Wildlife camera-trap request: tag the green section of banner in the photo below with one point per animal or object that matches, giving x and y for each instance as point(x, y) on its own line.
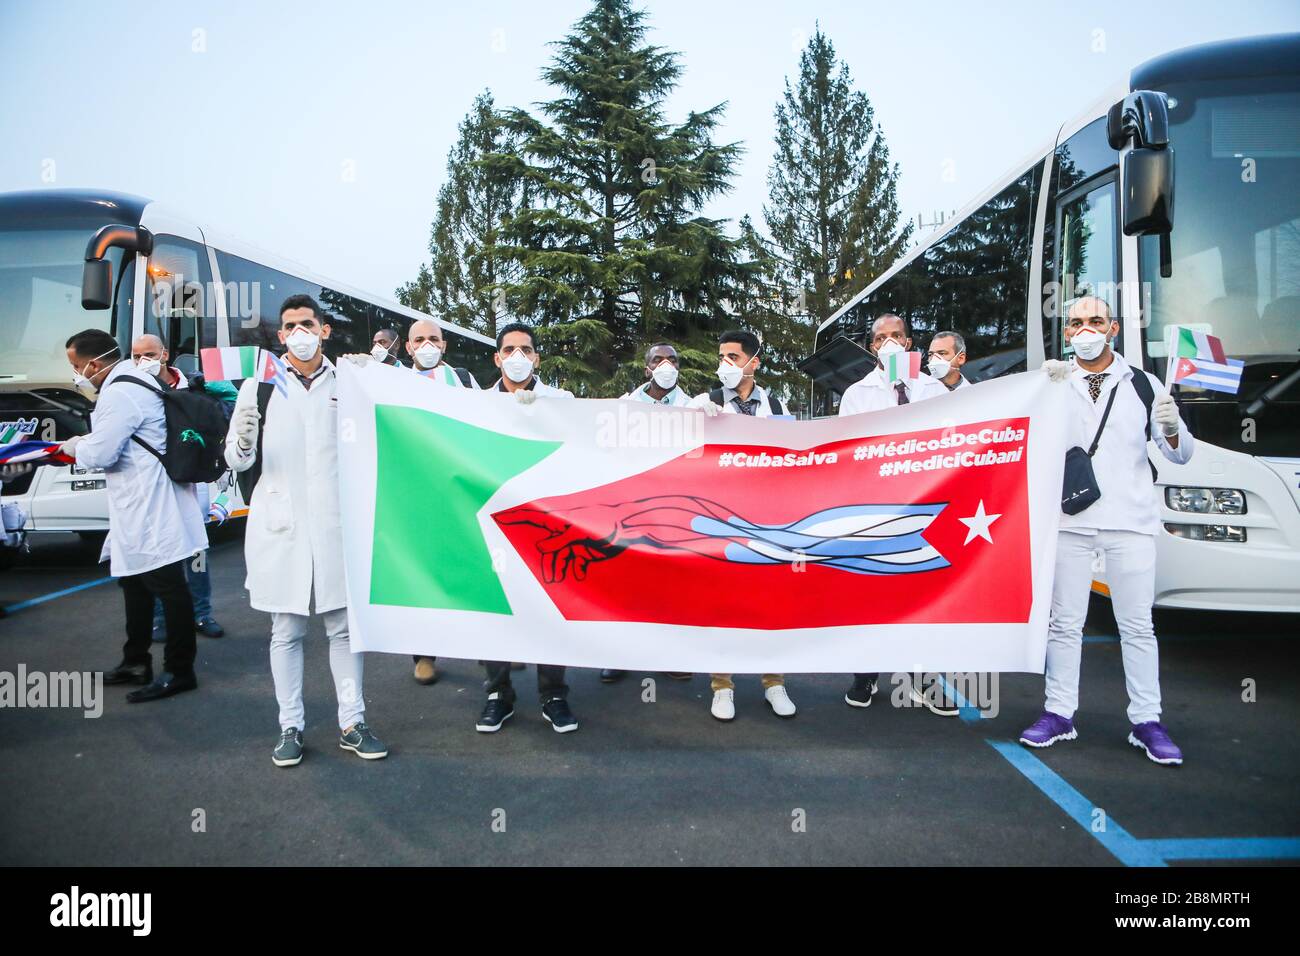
point(433, 475)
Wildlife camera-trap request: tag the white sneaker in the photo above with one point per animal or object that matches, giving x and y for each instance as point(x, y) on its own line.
point(724, 705)
point(781, 703)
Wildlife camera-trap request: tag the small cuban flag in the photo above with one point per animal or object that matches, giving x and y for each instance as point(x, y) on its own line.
point(1196, 360)
point(900, 366)
point(239, 362)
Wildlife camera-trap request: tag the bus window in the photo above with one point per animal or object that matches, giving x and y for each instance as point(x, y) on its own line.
point(177, 306)
point(254, 293)
point(1089, 250)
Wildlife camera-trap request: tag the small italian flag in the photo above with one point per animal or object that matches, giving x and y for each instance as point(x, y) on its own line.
point(1196, 360)
point(900, 366)
point(247, 361)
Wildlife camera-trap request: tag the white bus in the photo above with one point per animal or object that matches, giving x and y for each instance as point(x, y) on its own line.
point(1085, 213)
point(167, 275)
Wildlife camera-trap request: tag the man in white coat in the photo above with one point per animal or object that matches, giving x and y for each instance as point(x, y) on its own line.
point(293, 543)
point(1120, 526)
point(946, 356)
point(154, 523)
point(871, 393)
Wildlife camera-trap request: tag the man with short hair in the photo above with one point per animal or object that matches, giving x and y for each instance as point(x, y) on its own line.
point(384, 348)
point(293, 544)
point(154, 523)
point(738, 362)
point(1122, 408)
point(518, 359)
point(150, 357)
point(946, 356)
point(873, 392)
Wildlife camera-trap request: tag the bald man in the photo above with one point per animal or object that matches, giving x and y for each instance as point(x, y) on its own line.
point(150, 356)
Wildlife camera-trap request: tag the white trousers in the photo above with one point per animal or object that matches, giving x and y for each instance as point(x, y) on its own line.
point(287, 634)
point(1130, 563)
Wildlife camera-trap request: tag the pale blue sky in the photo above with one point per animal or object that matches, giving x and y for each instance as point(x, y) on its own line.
point(253, 135)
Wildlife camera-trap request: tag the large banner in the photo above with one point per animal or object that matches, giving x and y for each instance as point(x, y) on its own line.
point(619, 534)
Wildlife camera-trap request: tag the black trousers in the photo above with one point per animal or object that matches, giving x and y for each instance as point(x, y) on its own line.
point(169, 586)
point(550, 681)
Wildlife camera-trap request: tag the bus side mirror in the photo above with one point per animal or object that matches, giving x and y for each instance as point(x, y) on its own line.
point(1149, 192)
point(97, 284)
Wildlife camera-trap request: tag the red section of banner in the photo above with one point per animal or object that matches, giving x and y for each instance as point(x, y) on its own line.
point(686, 542)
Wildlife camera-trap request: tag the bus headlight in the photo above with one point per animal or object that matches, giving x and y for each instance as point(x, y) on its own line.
point(1208, 532)
point(1201, 501)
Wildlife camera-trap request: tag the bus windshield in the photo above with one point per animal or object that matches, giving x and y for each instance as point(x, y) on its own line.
point(1236, 237)
point(40, 301)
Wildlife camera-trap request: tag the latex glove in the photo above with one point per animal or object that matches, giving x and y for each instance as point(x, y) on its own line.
point(1057, 371)
point(1165, 412)
point(14, 472)
point(245, 423)
point(712, 409)
point(525, 396)
point(69, 447)
point(359, 359)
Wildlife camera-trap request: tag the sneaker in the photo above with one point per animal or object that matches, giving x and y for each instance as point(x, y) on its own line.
point(780, 701)
point(724, 704)
point(1154, 739)
point(495, 713)
point(1047, 730)
point(208, 627)
point(860, 694)
point(362, 742)
point(934, 698)
point(288, 752)
point(557, 713)
point(609, 675)
point(426, 672)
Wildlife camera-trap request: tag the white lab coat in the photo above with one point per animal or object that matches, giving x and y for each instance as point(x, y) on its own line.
point(1129, 500)
point(153, 521)
point(293, 543)
point(540, 389)
point(873, 392)
point(762, 410)
point(676, 397)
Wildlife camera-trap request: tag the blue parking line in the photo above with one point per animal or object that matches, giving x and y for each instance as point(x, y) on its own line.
point(1125, 847)
point(23, 605)
point(1228, 848)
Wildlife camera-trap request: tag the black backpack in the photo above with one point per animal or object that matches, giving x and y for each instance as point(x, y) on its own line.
point(247, 480)
point(196, 434)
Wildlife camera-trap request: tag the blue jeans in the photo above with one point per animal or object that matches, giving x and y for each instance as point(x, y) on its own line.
point(200, 583)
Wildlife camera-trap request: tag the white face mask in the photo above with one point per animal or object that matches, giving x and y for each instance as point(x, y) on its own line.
point(889, 345)
point(380, 353)
point(84, 385)
point(665, 375)
point(730, 375)
point(302, 344)
point(939, 367)
point(1088, 344)
point(518, 367)
point(150, 366)
point(428, 355)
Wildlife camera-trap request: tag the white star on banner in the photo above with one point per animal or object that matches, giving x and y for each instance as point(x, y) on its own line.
point(977, 525)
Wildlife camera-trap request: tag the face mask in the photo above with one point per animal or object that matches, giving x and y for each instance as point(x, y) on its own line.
point(84, 385)
point(518, 367)
point(150, 366)
point(302, 344)
point(665, 375)
point(939, 367)
point(1088, 344)
point(730, 375)
point(428, 355)
point(380, 353)
point(889, 345)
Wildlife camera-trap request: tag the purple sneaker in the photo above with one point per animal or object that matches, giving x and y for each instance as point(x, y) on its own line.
point(1154, 739)
point(1047, 730)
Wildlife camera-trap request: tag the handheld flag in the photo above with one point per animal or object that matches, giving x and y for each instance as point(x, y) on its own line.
point(33, 452)
point(1196, 360)
point(900, 366)
point(271, 369)
point(229, 364)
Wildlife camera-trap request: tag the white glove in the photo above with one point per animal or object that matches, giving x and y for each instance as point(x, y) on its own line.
point(1057, 371)
point(245, 423)
point(359, 359)
point(69, 447)
point(12, 472)
point(1165, 412)
point(525, 396)
point(712, 409)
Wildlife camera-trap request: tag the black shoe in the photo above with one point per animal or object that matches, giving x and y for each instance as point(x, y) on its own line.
point(130, 674)
point(935, 698)
point(208, 627)
point(495, 713)
point(860, 693)
point(557, 713)
point(164, 685)
point(609, 675)
point(288, 752)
